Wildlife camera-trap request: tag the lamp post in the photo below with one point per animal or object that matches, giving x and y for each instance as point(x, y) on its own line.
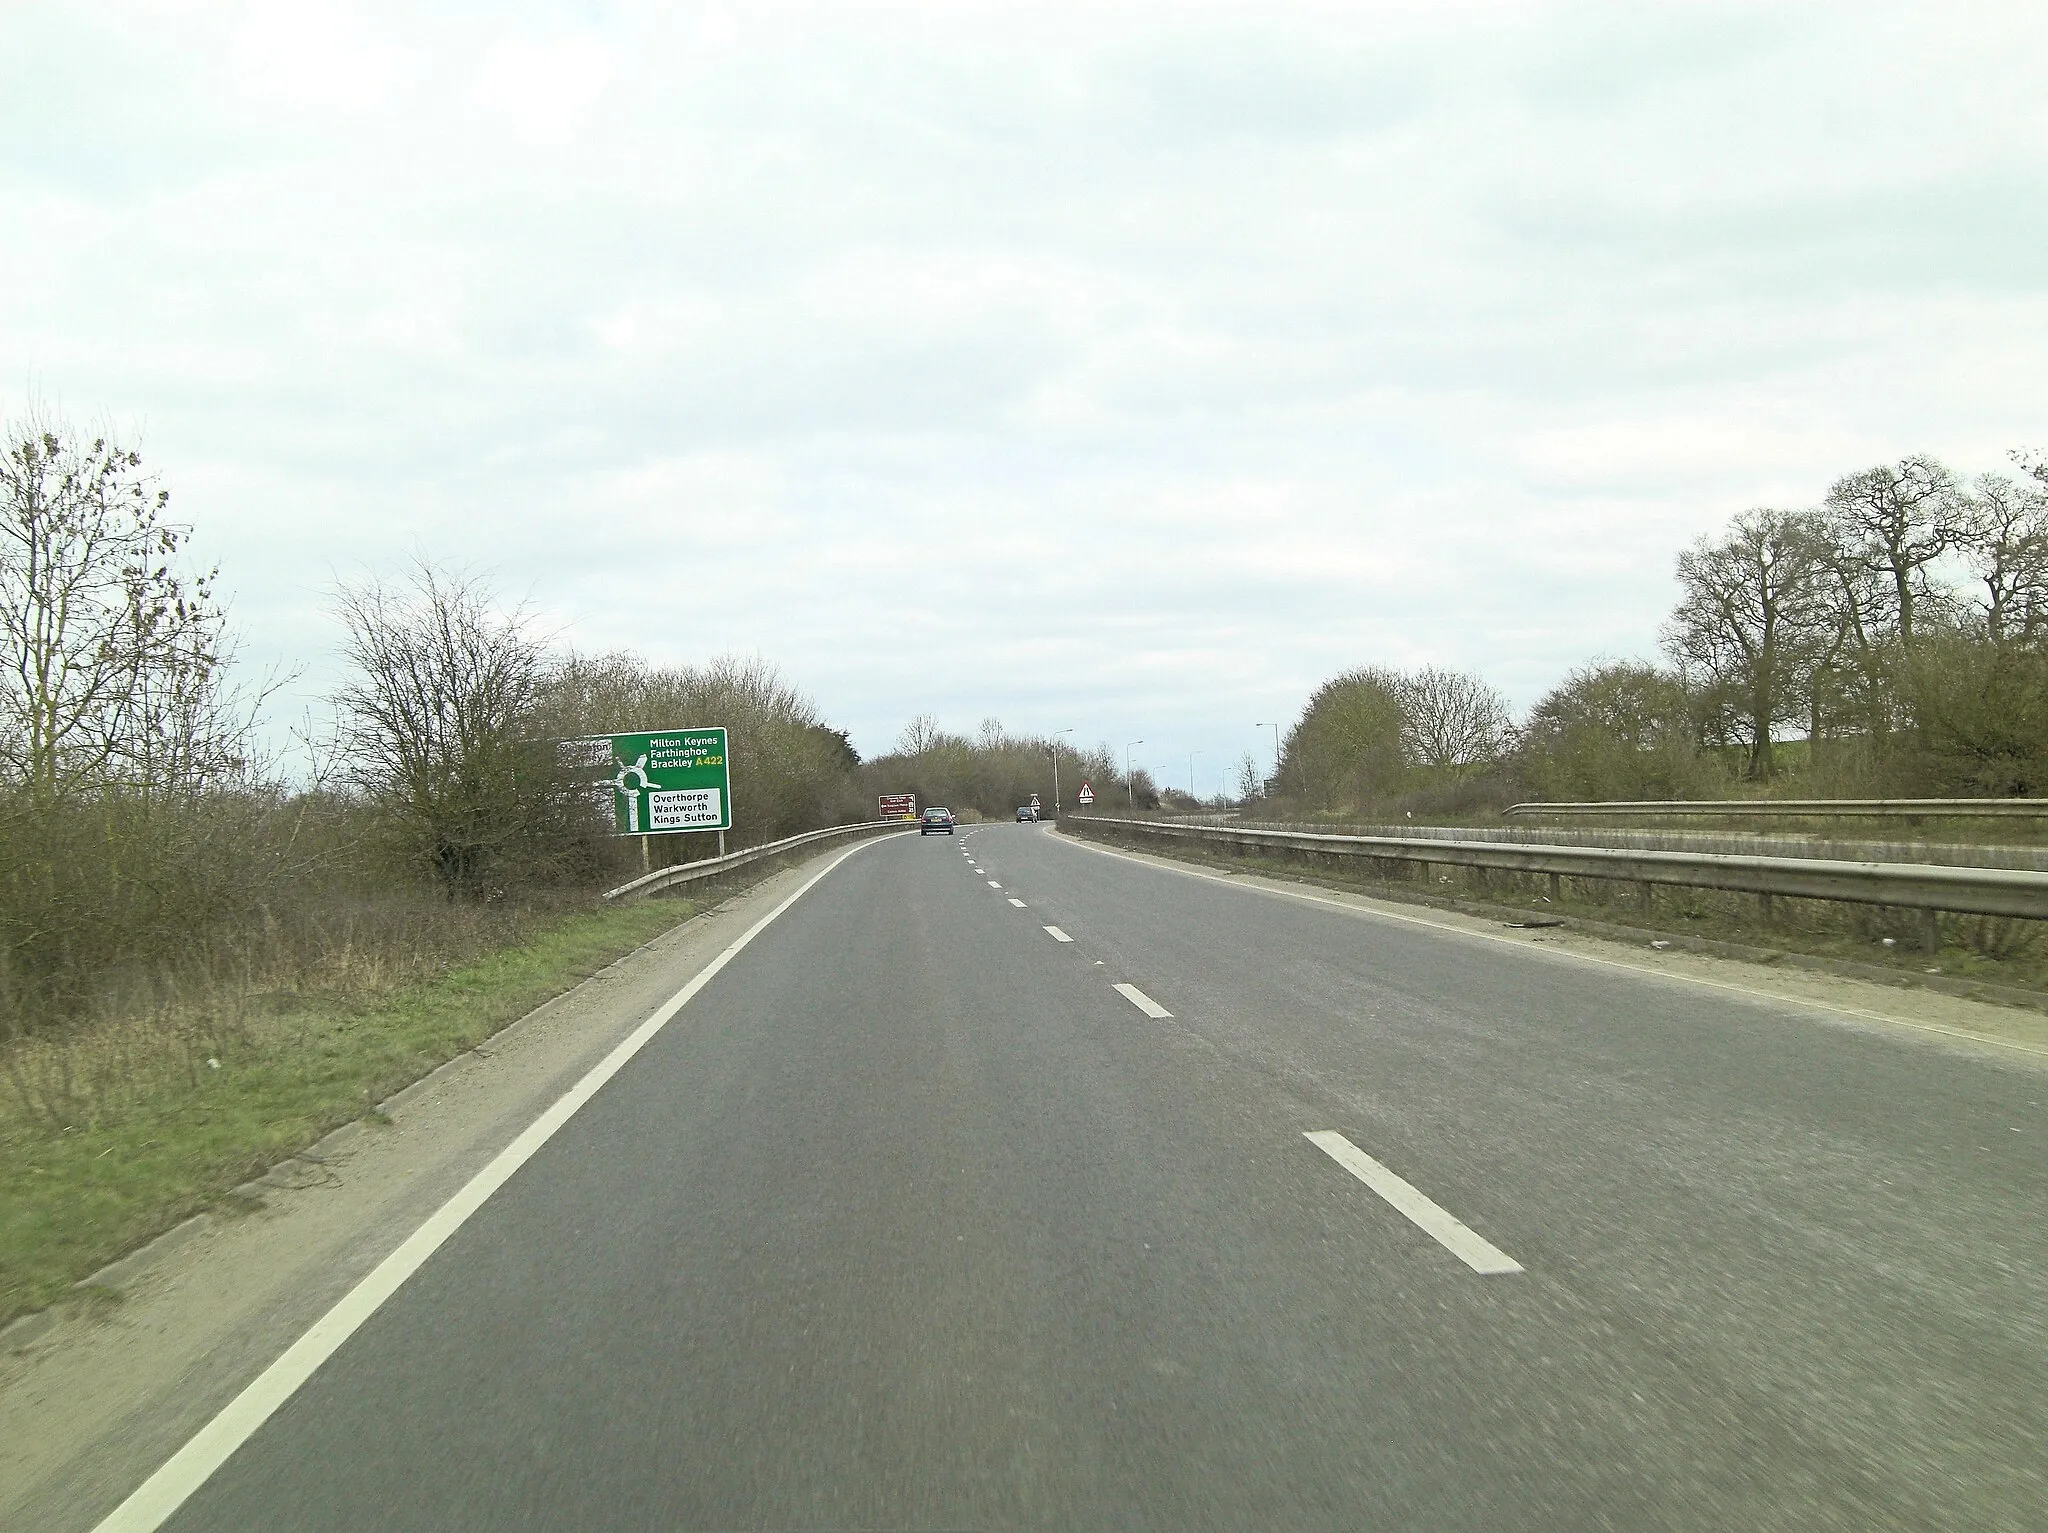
point(1056, 771)
point(1276, 752)
point(1131, 782)
point(1191, 777)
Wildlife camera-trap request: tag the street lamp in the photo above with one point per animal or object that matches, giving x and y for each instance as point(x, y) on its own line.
point(1276, 752)
point(1056, 770)
point(1131, 782)
point(1191, 777)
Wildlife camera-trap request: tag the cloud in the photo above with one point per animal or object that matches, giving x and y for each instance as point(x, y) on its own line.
point(1129, 368)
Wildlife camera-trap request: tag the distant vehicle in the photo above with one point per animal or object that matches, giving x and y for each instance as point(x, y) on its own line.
point(1027, 813)
point(936, 818)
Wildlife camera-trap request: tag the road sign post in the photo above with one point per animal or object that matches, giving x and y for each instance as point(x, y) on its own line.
point(662, 782)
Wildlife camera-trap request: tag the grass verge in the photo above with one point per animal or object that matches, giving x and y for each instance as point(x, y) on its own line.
point(76, 1195)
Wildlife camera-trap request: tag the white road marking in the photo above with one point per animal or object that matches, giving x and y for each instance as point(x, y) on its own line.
point(185, 1471)
point(1557, 955)
point(1017, 902)
point(993, 884)
point(1142, 1001)
point(1057, 935)
point(1450, 1232)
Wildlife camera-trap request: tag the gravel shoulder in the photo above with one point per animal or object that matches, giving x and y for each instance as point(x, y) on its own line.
point(98, 1397)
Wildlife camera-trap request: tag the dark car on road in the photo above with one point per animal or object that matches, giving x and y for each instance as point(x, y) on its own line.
point(936, 818)
point(1027, 814)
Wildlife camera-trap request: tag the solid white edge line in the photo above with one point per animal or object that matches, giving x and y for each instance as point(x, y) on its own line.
point(1057, 935)
point(191, 1466)
point(1449, 1231)
point(1564, 955)
point(1142, 1001)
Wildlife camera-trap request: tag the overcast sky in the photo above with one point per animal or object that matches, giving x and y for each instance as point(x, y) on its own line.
point(1127, 368)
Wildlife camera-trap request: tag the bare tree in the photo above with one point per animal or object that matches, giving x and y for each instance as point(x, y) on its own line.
point(919, 735)
point(1246, 779)
point(1895, 520)
point(2004, 540)
point(111, 659)
point(439, 721)
point(1751, 619)
point(1452, 720)
point(1852, 674)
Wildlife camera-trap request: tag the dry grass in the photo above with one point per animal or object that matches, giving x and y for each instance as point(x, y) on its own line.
point(183, 1084)
point(151, 1028)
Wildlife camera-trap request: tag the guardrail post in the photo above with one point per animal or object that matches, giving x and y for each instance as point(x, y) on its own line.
point(1930, 931)
point(1556, 888)
point(1763, 907)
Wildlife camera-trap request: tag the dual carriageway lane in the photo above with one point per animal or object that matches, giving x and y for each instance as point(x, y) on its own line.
point(978, 1192)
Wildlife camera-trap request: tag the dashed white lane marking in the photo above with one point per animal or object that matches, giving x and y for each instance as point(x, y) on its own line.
point(1017, 902)
point(993, 884)
point(1142, 1001)
point(1450, 1232)
point(1057, 935)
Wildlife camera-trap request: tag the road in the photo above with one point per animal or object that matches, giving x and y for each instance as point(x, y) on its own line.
point(912, 1219)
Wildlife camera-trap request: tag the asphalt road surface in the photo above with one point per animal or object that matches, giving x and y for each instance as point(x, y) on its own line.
point(913, 1219)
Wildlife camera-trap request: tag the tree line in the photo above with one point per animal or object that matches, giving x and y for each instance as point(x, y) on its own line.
point(147, 844)
point(994, 772)
point(1892, 639)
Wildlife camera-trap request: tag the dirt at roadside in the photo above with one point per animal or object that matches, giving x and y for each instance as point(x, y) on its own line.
point(91, 1406)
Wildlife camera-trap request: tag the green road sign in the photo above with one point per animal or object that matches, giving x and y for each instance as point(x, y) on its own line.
point(670, 780)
